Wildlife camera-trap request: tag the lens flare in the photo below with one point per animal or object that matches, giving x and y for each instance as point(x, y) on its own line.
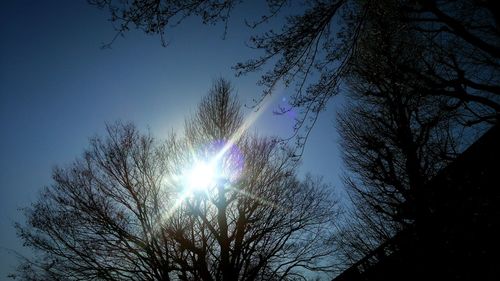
point(221, 162)
point(201, 177)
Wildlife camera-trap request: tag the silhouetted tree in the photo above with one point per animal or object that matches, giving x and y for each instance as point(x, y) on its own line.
point(459, 41)
point(124, 210)
point(395, 135)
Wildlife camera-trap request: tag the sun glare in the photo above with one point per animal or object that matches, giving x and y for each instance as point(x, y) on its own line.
point(201, 177)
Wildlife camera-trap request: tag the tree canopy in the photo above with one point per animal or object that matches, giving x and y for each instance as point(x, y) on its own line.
point(396, 133)
point(136, 208)
point(457, 42)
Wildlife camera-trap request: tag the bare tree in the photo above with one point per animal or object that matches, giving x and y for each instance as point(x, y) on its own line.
point(259, 221)
point(131, 208)
point(395, 135)
point(98, 219)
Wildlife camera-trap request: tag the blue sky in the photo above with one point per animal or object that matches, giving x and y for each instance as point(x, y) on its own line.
point(58, 88)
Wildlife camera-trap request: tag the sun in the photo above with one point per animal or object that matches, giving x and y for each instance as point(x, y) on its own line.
point(220, 164)
point(201, 177)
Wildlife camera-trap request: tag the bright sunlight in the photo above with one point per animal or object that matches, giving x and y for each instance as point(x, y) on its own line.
point(201, 177)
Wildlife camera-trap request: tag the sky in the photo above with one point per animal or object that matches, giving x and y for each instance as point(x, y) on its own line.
point(58, 88)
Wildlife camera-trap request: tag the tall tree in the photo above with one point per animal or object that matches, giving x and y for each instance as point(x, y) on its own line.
point(214, 204)
point(395, 135)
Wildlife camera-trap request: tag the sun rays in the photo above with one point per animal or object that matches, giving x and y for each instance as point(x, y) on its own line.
point(201, 176)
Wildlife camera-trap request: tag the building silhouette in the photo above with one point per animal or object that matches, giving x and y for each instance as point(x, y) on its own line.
point(458, 236)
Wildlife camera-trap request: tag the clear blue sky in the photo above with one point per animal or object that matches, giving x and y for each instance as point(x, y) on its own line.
point(58, 88)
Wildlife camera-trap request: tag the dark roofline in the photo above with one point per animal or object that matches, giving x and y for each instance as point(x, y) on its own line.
point(488, 141)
